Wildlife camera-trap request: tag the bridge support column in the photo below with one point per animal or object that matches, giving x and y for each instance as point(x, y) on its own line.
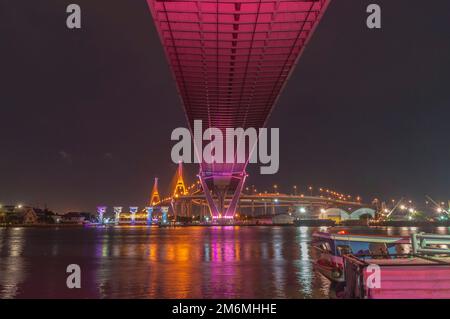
point(133, 211)
point(117, 212)
point(220, 188)
point(149, 210)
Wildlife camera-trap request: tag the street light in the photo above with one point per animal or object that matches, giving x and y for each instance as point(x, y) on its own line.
point(310, 190)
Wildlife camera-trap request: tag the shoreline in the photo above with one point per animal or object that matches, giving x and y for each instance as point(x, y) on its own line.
point(384, 224)
point(42, 225)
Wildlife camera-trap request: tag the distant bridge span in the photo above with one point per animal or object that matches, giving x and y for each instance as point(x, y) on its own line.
point(278, 199)
point(182, 205)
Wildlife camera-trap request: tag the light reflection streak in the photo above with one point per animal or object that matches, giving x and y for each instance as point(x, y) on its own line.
point(278, 264)
point(12, 266)
point(305, 267)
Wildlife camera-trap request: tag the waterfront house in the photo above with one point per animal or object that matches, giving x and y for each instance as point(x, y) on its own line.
point(11, 214)
point(72, 218)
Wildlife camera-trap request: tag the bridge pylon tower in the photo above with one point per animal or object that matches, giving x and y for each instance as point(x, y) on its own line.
point(180, 187)
point(154, 197)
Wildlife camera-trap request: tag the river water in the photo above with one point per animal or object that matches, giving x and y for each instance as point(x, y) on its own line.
point(152, 262)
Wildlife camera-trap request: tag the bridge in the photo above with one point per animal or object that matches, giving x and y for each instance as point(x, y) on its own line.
point(231, 60)
point(189, 200)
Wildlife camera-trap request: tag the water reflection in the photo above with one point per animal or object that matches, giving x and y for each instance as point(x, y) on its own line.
point(12, 269)
point(186, 262)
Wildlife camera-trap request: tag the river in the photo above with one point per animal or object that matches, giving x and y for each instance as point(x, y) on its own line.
point(152, 262)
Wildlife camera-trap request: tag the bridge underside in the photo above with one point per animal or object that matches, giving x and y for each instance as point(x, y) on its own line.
point(231, 59)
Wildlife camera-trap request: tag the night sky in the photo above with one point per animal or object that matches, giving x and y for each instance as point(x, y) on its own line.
point(86, 115)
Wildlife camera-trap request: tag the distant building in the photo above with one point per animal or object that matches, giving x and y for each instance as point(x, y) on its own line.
point(263, 220)
point(339, 215)
point(88, 217)
point(283, 219)
point(72, 218)
point(45, 216)
point(11, 214)
point(28, 216)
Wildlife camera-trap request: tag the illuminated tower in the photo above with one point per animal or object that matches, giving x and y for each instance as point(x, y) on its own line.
point(180, 188)
point(231, 59)
point(154, 197)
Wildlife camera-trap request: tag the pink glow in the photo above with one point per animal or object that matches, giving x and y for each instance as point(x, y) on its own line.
point(222, 217)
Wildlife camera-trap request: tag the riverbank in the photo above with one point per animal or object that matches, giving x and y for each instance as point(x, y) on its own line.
point(42, 225)
point(308, 223)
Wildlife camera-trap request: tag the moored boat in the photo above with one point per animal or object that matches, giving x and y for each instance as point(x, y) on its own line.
point(424, 273)
point(329, 250)
point(371, 266)
point(412, 277)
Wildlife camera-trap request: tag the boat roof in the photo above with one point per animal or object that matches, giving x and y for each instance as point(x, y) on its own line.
point(367, 238)
point(412, 261)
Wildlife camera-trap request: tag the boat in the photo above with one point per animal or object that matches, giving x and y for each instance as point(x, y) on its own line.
point(423, 274)
point(408, 267)
point(329, 249)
